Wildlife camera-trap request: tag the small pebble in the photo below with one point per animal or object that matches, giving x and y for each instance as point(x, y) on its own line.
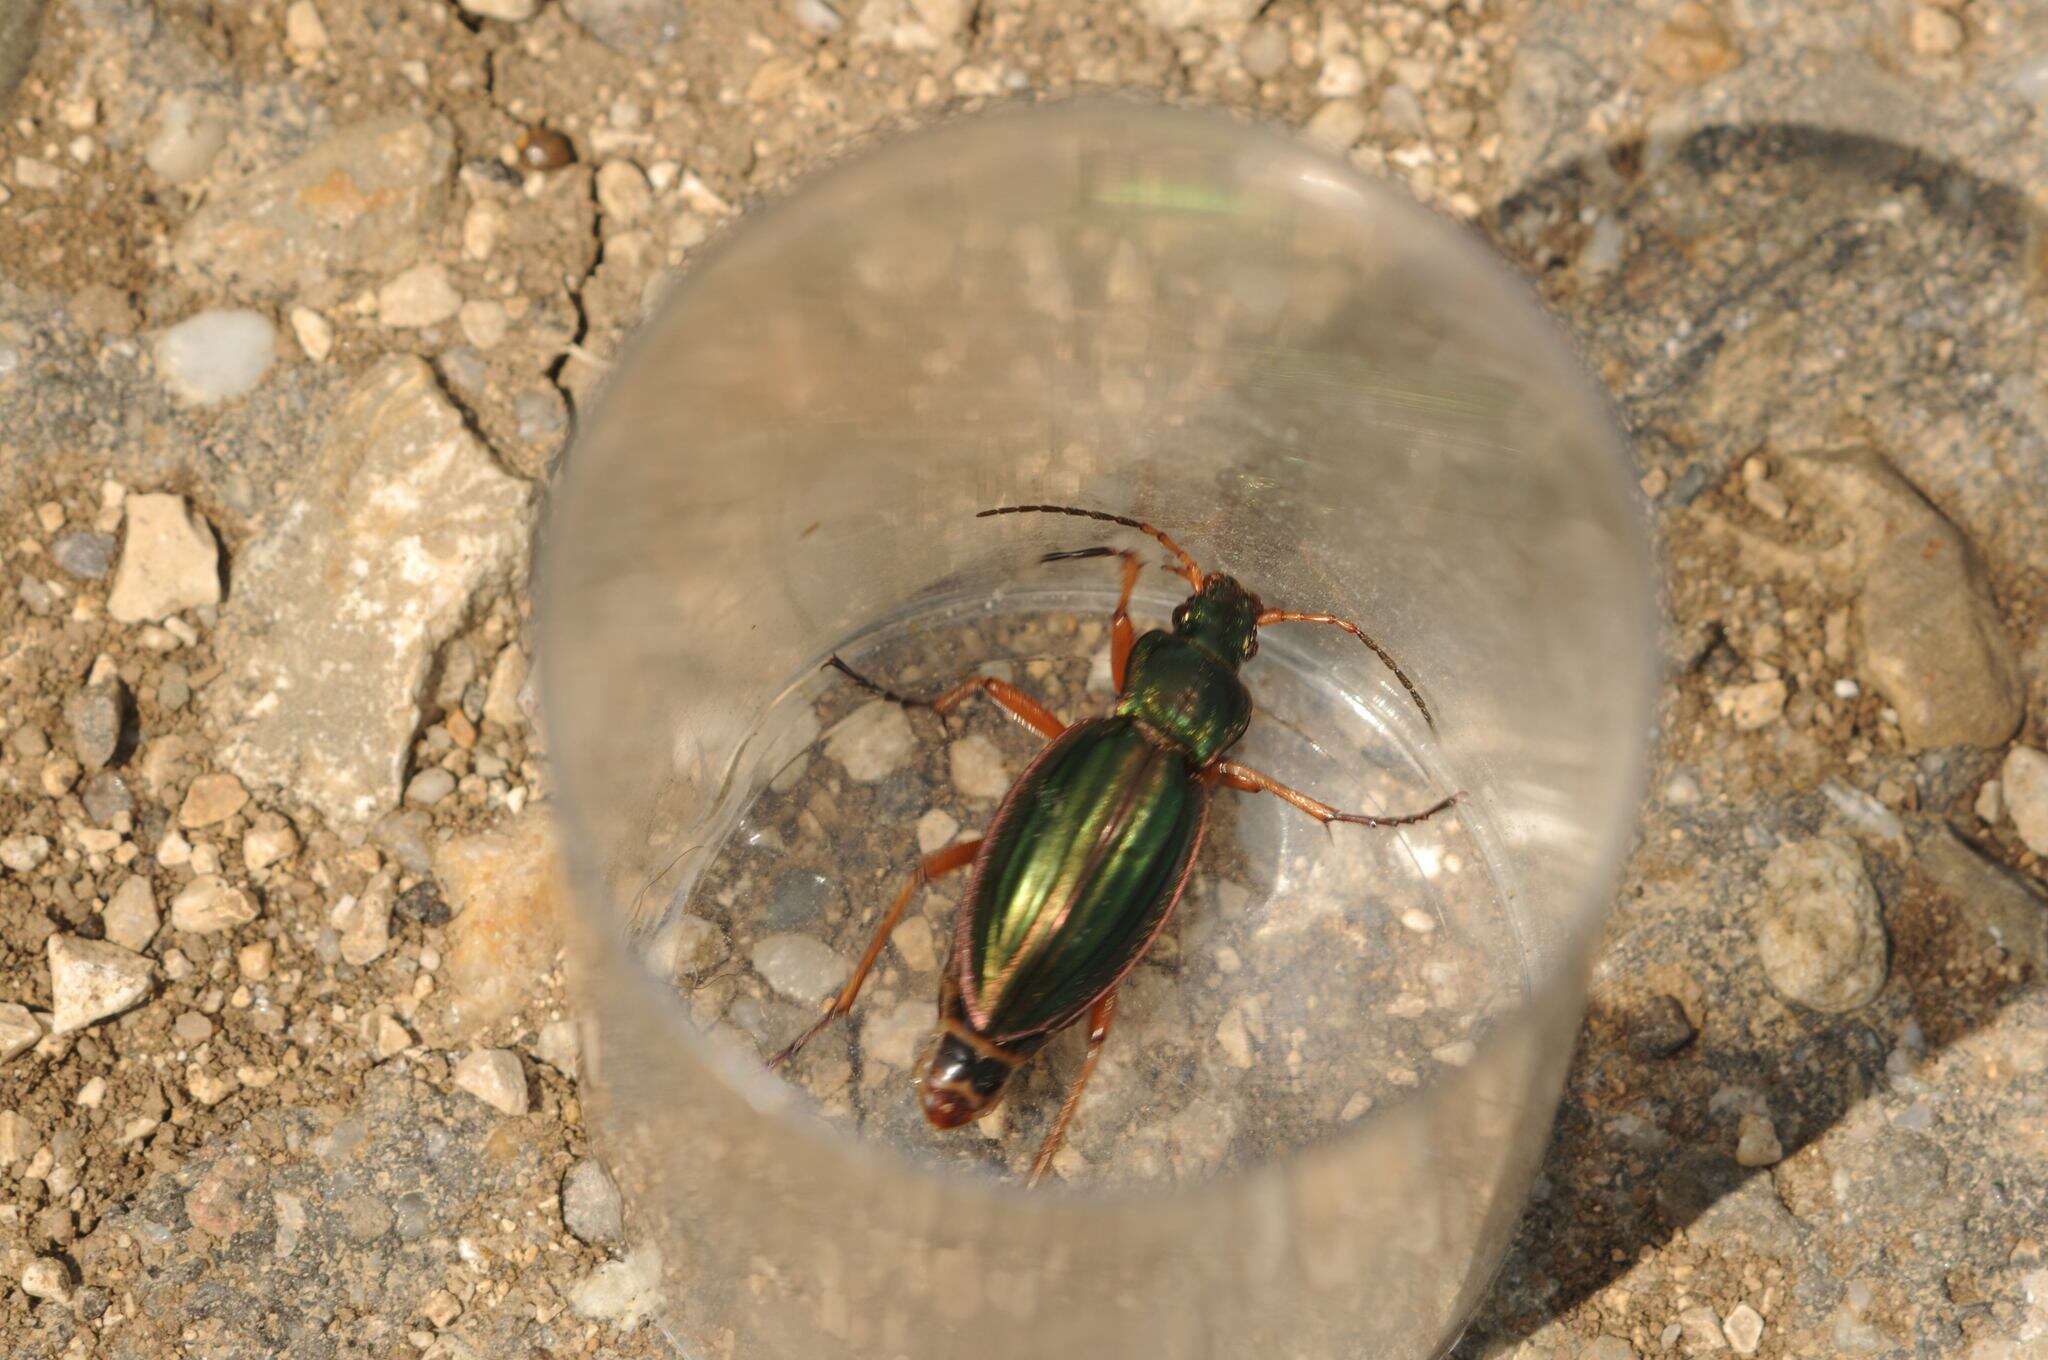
point(872, 742)
point(501, 695)
point(210, 904)
point(1342, 77)
point(623, 193)
point(913, 941)
point(270, 840)
point(94, 716)
point(363, 921)
point(216, 356)
point(254, 961)
point(170, 561)
point(1263, 52)
point(935, 830)
point(192, 1028)
point(1753, 706)
point(131, 919)
point(686, 947)
point(106, 797)
point(60, 774)
point(392, 1038)
point(429, 787)
point(24, 854)
point(494, 1076)
point(1757, 1142)
point(213, 798)
point(592, 1208)
point(1659, 1028)
point(1337, 125)
point(91, 980)
point(1819, 931)
point(1990, 806)
point(979, 770)
point(47, 1278)
point(422, 902)
point(314, 332)
point(1744, 1328)
point(799, 966)
point(422, 296)
point(19, 1031)
point(2023, 783)
point(559, 1046)
point(86, 555)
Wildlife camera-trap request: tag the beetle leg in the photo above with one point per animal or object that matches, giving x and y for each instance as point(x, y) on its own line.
point(1273, 616)
point(1248, 780)
point(1012, 700)
point(934, 865)
point(1121, 634)
point(1099, 1020)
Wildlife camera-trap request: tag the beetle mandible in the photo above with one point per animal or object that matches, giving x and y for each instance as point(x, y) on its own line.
point(1088, 852)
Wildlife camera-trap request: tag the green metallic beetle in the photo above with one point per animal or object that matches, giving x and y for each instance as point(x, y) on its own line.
point(1090, 849)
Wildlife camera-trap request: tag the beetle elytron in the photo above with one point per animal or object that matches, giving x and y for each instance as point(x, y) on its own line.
point(1089, 850)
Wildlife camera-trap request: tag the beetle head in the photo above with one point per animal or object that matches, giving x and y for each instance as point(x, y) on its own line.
point(1222, 618)
point(960, 1085)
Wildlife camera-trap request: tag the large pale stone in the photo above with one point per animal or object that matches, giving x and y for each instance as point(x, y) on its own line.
point(362, 200)
point(339, 608)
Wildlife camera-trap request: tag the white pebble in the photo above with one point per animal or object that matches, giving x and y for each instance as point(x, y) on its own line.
point(216, 356)
point(24, 854)
point(131, 918)
point(210, 904)
point(936, 829)
point(46, 1277)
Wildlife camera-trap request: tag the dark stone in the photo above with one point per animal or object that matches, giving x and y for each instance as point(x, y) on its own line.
point(1658, 1028)
point(86, 555)
point(422, 902)
point(94, 717)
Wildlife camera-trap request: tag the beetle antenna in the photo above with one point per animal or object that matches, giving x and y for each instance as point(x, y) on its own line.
point(1272, 616)
point(1184, 564)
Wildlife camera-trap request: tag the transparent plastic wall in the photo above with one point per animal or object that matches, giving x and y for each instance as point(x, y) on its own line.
point(1315, 383)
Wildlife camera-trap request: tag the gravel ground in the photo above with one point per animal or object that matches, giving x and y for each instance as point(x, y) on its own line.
point(298, 302)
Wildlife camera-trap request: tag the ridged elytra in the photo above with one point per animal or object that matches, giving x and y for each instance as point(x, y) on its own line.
point(1089, 851)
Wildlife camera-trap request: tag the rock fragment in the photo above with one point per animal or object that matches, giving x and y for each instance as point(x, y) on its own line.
point(362, 200)
point(494, 1076)
point(19, 1031)
point(504, 887)
point(2023, 784)
point(91, 980)
point(872, 742)
point(131, 919)
point(93, 715)
point(216, 355)
point(212, 799)
point(364, 920)
point(1933, 641)
point(170, 561)
point(591, 1206)
point(210, 904)
point(1820, 933)
point(800, 967)
point(401, 523)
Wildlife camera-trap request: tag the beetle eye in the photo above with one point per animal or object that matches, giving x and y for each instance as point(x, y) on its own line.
point(1251, 646)
point(1180, 616)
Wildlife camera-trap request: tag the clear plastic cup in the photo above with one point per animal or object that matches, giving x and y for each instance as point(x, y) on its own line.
point(1322, 389)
